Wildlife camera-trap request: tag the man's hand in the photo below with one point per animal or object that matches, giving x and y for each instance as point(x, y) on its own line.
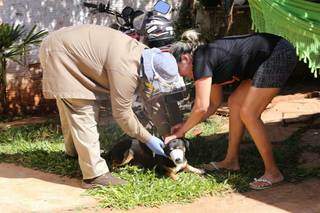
point(156, 145)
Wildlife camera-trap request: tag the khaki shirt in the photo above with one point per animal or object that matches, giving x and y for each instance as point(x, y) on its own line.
point(88, 62)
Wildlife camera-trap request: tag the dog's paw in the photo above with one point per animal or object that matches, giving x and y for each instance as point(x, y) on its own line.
point(172, 175)
point(201, 171)
point(195, 170)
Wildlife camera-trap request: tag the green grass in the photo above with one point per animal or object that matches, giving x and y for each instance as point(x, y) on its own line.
point(37, 146)
point(146, 188)
point(209, 127)
point(40, 146)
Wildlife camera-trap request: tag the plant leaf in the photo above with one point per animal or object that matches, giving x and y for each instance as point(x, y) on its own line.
point(10, 35)
point(34, 37)
point(13, 52)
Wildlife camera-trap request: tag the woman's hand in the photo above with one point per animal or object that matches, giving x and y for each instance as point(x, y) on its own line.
point(175, 131)
point(176, 128)
point(169, 138)
point(174, 136)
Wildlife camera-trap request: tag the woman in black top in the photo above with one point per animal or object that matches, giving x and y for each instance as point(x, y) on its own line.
point(261, 63)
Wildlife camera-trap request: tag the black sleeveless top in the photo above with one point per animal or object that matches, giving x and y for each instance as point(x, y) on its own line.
point(233, 58)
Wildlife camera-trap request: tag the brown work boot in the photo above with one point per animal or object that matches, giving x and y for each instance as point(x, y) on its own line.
point(104, 180)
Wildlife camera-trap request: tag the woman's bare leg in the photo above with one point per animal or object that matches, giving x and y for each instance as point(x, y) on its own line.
point(236, 127)
point(256, 101)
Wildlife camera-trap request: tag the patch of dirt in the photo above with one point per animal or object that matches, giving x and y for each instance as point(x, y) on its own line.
point(27, 190)
point(309, 160)
point(286, 113)
point(296, 96)
point(311, 137)
point(317, 121)
point(307, 157)
point(279, 133)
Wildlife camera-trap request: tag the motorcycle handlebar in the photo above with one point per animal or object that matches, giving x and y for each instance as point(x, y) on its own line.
point(90, 5)
point(101, 8)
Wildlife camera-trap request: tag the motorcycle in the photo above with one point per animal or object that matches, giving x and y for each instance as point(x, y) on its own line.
point(130, 21)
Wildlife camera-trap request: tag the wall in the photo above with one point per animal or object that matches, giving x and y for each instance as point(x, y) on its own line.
point(53, 14)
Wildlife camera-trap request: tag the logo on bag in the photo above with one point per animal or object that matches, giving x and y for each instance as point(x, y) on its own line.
point(149, 89)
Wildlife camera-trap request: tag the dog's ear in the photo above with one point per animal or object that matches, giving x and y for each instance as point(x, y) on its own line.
point(186, 143)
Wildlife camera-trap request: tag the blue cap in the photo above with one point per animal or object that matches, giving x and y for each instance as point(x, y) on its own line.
point(161, 63)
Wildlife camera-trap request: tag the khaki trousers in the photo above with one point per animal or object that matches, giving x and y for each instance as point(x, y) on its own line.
point(79, 119)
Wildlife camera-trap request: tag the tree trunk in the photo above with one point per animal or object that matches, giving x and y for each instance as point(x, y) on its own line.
point(186, 17)
point(3, 86)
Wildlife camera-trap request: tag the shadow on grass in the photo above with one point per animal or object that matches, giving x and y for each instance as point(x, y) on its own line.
point(250, 161)
point(55, 162)
point(287, 153)
point(38, 146)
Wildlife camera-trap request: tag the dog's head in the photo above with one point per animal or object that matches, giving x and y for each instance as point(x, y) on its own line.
point(176, 150)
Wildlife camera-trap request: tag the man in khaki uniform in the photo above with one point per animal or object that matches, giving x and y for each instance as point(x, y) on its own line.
point(82, 64)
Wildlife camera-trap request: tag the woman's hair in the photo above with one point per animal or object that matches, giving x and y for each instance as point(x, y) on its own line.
point(190, 40)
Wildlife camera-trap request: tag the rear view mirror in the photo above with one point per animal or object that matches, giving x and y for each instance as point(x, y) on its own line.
point(162, 7)
point(126, 12)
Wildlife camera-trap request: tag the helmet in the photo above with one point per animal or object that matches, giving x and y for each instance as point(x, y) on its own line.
point(158, 31)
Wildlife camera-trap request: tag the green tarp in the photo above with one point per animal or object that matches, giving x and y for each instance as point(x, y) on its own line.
point(296, 20)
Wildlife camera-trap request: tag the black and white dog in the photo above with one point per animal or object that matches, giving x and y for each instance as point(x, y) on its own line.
point(131, 151)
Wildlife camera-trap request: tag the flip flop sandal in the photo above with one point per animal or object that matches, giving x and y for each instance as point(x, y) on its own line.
point(212, 166)
point(266, 184)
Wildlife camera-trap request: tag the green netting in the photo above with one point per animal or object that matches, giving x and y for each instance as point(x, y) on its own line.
point(296, 20)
